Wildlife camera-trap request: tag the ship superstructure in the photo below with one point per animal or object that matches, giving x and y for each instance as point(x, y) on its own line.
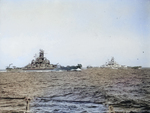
point(40, 63)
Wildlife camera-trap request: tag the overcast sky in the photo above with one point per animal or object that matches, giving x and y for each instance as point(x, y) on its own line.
point(70, 32)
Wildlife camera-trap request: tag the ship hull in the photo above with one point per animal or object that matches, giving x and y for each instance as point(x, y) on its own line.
point(40, 69)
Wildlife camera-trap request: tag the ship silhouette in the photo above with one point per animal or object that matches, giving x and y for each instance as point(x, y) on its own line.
point(40, 63)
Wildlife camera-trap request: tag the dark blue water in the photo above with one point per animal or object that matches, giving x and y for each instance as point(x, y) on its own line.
point(48, 105)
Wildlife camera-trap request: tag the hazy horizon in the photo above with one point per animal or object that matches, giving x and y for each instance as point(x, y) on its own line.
point(75, 32)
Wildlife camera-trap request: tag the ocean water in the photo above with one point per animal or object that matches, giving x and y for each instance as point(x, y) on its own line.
point(48, 105)
point(3, 70)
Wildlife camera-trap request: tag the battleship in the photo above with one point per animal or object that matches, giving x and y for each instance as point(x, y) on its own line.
point(40, 63)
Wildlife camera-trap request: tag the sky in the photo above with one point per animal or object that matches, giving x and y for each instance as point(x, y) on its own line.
point(71, 32)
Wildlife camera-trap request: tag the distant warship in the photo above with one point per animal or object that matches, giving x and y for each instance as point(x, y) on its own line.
point(13, 68)
point(40, 63)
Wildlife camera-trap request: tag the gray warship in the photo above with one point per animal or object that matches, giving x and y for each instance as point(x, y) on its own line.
point(40, 63)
